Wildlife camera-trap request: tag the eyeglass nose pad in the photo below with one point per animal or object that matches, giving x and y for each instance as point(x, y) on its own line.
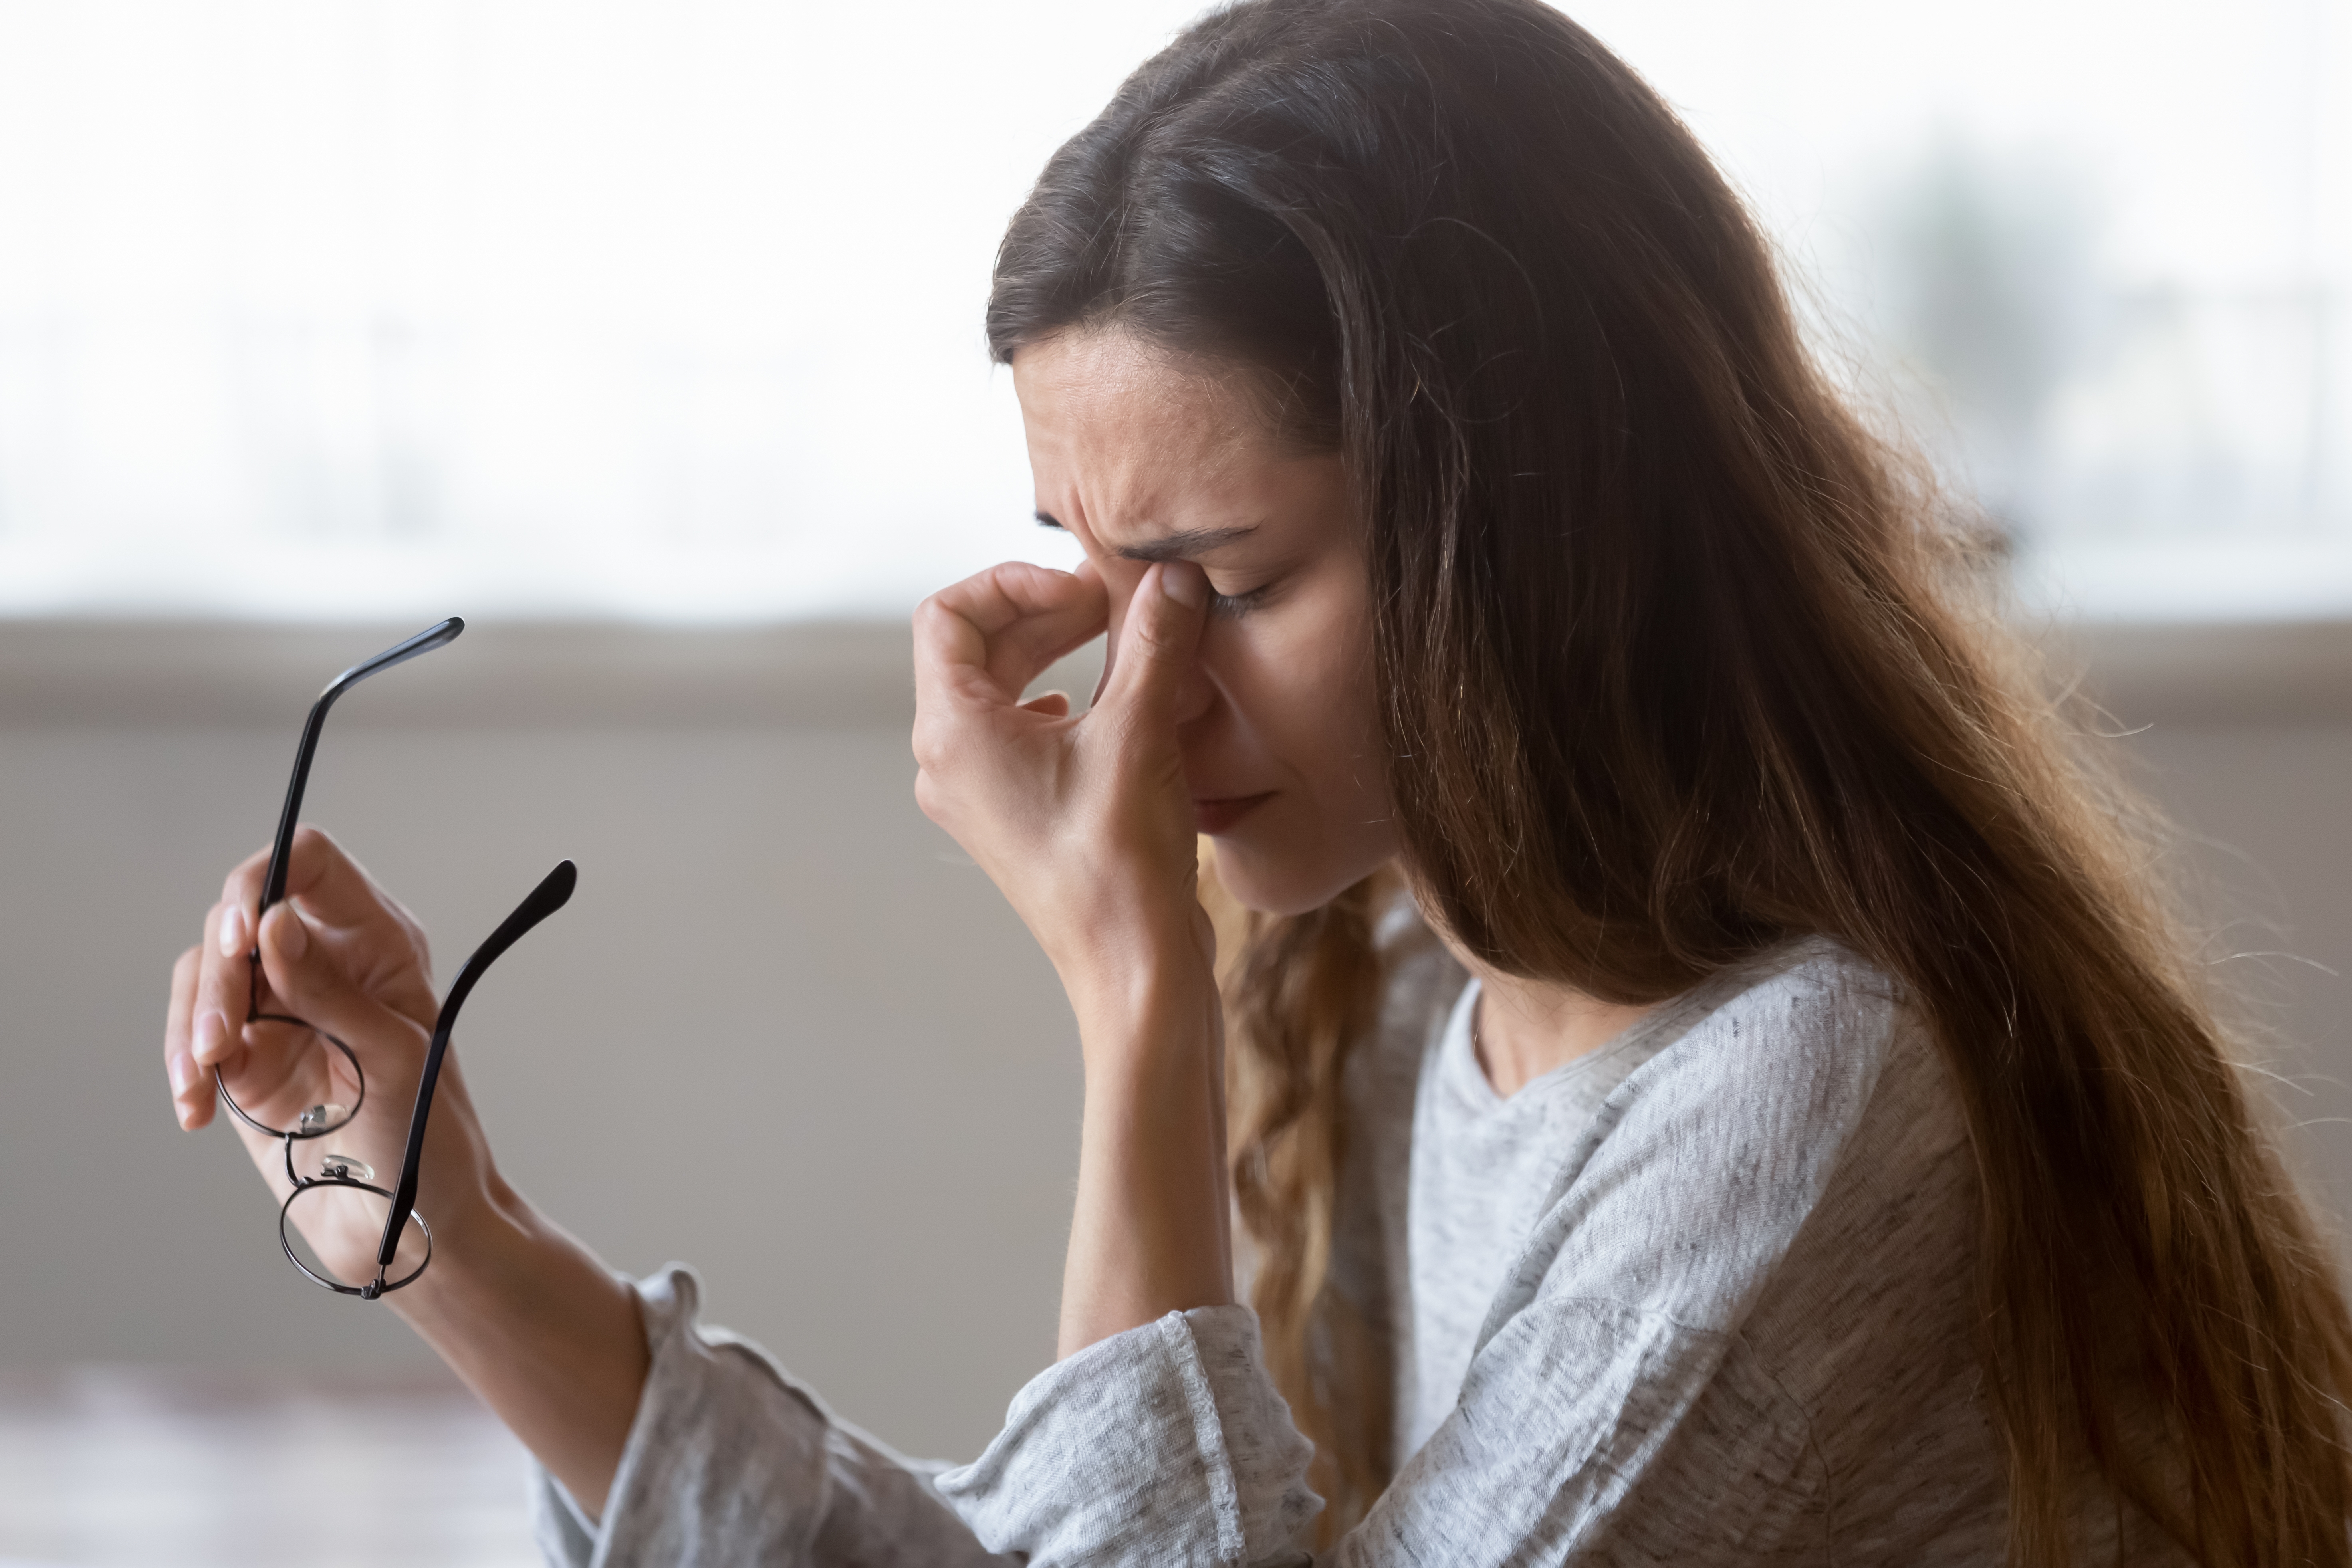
point(321, 1117)
point(346, 1168)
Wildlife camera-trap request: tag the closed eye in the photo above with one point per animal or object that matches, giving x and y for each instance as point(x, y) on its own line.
point(1234, 606)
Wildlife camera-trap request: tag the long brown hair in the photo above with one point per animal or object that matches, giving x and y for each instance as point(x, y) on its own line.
point(1676, 659)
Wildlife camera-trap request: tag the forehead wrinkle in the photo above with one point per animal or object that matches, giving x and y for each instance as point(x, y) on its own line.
point(1135, 491)
point(1139, 439)
point(1184, 541)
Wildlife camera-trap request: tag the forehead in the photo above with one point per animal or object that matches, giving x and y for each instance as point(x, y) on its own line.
point(1132, 437)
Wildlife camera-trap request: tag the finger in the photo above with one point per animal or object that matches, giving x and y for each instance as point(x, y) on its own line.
point(192, 1096)
point(225, 975)
point(1053, 704)
point(303, 970)
point(988, 636)
point(1093, 573)
point(1158, 644)
point(224, 994)
point(1116, 630)
point(336, 890)
point(242, 892)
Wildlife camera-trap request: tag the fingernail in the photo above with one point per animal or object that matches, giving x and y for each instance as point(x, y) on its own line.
point(232, 931)
point(184, 1072)
point(211, 1034)
point(287, 932)
point(1184, 583)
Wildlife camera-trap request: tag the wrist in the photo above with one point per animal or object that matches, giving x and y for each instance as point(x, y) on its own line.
point(1117, 972)
point(481, 1249)
point(541, 1330)
point(1145, 1016)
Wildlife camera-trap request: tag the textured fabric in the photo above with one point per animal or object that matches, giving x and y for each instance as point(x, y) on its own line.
point(1702, 1296)
point(730, 1461)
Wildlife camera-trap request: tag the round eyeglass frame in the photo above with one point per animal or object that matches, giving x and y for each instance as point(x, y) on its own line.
point(375, 1288)
point(334, 1174)
point(296, 1132)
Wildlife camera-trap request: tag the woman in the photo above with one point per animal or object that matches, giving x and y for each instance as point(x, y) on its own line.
point(1712, 1076)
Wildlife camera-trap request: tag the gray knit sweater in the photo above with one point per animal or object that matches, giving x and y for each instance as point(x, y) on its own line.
point(1700, 1297)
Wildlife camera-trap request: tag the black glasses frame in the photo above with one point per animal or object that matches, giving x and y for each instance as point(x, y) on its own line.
point(552, 893)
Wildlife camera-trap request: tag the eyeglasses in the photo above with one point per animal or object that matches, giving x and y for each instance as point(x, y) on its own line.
point(406, 1245)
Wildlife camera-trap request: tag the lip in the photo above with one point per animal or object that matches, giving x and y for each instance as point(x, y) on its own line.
point(1213, 817)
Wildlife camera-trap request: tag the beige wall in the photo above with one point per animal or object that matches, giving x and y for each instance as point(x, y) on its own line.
point(2266, 805)
point(782, 1031)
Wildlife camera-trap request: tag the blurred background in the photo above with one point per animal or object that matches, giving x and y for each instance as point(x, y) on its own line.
point(648, 339)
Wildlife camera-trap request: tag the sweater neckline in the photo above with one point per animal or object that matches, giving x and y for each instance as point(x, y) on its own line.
point(1608, 1064)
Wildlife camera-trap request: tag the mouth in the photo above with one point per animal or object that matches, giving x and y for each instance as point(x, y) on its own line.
point(1213, 817)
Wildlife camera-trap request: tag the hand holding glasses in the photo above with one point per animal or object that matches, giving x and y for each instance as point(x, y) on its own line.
point(343, 1193)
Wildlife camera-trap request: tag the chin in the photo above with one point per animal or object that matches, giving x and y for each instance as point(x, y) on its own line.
point(1290, 881)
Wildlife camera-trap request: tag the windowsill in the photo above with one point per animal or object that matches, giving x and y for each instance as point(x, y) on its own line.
point(2210, 673)
point(500, 674)
point(97, 673)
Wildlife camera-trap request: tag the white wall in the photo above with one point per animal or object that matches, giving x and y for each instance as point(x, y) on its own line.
point(782, 1031)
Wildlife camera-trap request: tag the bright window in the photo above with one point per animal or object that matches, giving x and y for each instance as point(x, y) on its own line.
point(322, 308)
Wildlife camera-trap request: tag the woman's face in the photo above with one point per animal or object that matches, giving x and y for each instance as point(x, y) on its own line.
point(1144, 457)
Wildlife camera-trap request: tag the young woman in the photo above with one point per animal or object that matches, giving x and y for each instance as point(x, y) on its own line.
point(1712, 1076)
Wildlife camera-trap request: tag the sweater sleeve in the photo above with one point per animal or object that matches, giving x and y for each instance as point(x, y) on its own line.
point(730, 1461)
point(1166, 1444)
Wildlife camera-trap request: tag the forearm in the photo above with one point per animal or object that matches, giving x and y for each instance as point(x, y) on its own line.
point(1150, 1234)
point(543, 1332)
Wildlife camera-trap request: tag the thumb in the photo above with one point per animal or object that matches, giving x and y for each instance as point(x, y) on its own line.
point(1158, 643)
point(311, 986)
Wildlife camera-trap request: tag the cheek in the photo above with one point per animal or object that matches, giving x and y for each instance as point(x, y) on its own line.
point(1306, 693)
point(1302, 693)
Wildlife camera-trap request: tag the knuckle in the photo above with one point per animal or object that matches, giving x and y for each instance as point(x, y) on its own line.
point(1152, 633)
point(932, 618)
point(937, 742)
point(1159, 640)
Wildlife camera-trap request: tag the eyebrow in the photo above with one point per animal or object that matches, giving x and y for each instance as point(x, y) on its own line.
point(1173, 546)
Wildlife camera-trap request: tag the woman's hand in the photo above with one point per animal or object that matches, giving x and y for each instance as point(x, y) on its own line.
point(546, 1334)
point(1083, 822)
point(1087, 824)
point(341, 954)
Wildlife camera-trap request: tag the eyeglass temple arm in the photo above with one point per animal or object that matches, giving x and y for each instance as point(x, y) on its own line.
point(551, 894)
point(273, 887)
